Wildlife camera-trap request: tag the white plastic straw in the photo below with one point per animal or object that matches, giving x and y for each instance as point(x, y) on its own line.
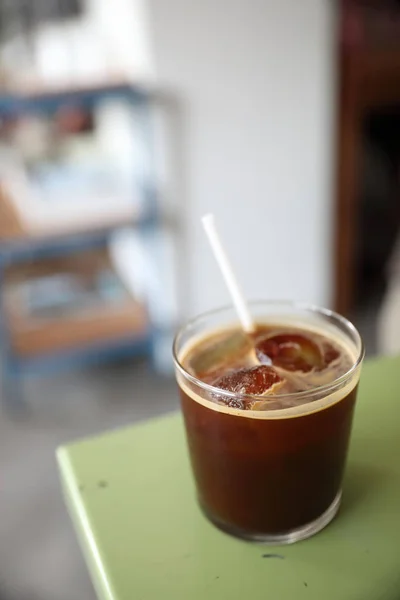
point(227, 273)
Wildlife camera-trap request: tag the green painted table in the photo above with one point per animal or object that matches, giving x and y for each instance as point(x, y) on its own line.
point(131, 497)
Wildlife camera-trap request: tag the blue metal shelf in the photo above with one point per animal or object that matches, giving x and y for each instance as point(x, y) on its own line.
point(17, 251)
point(92, 354)
point(48, 101)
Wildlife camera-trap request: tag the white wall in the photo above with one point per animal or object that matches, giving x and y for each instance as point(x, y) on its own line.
point(256, 79)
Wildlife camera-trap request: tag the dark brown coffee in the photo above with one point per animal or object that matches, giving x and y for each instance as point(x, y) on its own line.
point(268, 449)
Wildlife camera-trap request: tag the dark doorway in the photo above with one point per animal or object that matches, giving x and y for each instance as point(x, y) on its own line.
point(368, 190)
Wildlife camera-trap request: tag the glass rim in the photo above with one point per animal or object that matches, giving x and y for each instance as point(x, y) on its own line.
point(312, 308)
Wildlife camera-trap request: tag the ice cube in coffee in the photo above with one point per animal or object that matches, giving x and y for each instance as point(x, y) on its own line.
point(268, 419)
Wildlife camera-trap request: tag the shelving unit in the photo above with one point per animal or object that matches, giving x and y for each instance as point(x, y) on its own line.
point(42, 347)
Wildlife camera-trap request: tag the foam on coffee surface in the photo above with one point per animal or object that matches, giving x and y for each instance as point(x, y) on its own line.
point(276, 374)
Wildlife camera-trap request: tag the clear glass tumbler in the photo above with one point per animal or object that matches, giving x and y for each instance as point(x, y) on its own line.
point(272, 476)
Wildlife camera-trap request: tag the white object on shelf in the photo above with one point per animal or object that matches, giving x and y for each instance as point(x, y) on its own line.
point(58, 208)
point(135, 257)
point(146, 265)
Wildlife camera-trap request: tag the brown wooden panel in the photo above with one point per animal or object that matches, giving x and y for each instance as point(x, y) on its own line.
point(347, 178)
point(30, 337)
point(369, 78)
point(379, 78)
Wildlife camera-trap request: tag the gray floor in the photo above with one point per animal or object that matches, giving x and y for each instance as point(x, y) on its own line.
point(39, 557)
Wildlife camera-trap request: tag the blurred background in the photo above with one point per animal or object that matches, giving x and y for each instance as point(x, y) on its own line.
point(121, 124)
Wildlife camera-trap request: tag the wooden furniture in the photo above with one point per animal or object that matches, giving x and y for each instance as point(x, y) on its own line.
point(10, 224)
point(369, 78)
point(32, 336)
point(132, 500)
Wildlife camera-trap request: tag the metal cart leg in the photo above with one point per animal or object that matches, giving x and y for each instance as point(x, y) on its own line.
point(11, 388)
point(12, 392)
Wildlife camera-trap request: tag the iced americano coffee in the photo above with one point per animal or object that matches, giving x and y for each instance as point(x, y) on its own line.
point(268, 416)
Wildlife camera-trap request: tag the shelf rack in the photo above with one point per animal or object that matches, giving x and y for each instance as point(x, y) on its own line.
point(25, 248)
